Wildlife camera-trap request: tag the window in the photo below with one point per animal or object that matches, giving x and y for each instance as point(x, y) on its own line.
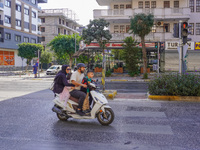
point(153, 4)
point(192, 28)
point(33, 14)
point(121, 6)
point(26, 39)
point(153, 29)
point(58, 30)
point(147, 4)
point(7, 36)
point(26, 11)
point(122, 28)
point(59, 21)
point(17, 38)
point(43, 20)
point(166, 27)
point(191, 5)
point(128, 6)
point(116, 28)
point(18, 23)
point(33, 40)
point(7, 19)
point(42, 29)
point(176, 4)
point(166, 4)
point(140, 4)
point(197, 28)
point(18, 8)
point(43, 39)
point(8, 3)
point(65, 32)
point(33, 27)
point(66, 23)
point(26, 25)
point(127, 28)
point(198, 6)
point(33, 1)
point(63, 22)
point(116, 6)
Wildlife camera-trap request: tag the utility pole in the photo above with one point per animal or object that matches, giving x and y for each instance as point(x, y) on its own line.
point(158, 58)
point(181, 48)
point(75, 48)
point(38, 63)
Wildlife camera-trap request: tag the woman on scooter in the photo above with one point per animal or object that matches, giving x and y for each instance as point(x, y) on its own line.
point(61, 84)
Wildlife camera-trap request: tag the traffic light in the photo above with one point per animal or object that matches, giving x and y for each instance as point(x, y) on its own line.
point(161, 47)
point(156, 45)
point(185, 31)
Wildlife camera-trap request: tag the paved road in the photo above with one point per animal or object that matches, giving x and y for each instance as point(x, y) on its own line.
point(27, 123)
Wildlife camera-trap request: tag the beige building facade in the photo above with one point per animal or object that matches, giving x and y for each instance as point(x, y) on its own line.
point(166, 14)
point(57, 21)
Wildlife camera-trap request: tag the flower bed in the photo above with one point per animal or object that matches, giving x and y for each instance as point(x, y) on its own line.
point(175, 85)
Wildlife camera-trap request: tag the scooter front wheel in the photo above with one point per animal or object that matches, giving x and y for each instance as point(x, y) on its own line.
point(107, 117)
point(62, 117)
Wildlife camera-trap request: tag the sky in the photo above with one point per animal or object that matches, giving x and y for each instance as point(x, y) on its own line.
point(83, 8)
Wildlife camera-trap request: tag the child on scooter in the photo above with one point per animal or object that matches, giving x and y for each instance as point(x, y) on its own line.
point(86, 80)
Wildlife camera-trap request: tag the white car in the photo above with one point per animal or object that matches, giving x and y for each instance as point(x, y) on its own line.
point(54, 69)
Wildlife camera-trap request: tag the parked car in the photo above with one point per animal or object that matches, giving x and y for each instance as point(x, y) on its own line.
point(54, 69)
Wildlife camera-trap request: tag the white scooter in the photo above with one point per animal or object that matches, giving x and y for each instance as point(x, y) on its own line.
point(100, 109)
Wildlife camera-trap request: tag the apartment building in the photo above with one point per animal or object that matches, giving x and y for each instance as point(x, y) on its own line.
point(167, 14)
point(57, 21)
point(18, 24)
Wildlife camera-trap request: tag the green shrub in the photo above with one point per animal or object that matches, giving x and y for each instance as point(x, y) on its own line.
point(108, 73)
point(116, 67)
point(145, 76)
point(175, 85)
point(133, 73)
point(98, 65)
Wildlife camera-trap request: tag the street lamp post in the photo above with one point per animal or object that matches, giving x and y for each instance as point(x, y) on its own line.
point(22, 64)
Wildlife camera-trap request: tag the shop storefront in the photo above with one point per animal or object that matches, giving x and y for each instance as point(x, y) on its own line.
point(7, 58)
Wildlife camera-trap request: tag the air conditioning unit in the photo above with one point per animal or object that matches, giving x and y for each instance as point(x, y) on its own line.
point(159, 23)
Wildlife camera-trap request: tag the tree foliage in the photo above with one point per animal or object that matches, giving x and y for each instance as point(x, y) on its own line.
point(130, 55)
point(141, 25)
point(46, 57)
point(97, 30)
point(29, 51)
point(64, 46)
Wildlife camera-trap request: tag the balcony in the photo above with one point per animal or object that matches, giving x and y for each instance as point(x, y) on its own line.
point(120, 36)
point(159, 13)
point(42, 1)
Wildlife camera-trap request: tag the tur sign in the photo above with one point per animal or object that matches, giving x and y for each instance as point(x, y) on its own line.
point(197, 45)
point(174, 45)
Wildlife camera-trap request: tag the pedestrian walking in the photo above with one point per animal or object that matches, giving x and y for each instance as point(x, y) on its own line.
point(35, 70)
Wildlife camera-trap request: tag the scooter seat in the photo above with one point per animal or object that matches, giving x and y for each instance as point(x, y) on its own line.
point(74, 99)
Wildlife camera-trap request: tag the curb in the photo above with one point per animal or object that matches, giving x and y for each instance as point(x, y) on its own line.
point(175, 98)
point(122, 80)
point(110, 94)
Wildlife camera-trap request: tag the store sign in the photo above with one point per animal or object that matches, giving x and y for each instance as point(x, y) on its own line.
point(174, 45)
point(197, 45)
point(7, 58)
point(109, 45)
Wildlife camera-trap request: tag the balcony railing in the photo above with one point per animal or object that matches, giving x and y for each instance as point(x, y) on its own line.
point(42, 1)
point(157, 12)
point(119, 36)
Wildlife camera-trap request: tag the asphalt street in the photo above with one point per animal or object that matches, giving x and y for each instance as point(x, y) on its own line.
point(27, 123)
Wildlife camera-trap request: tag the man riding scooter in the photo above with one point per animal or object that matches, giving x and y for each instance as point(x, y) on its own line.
point(76, 79)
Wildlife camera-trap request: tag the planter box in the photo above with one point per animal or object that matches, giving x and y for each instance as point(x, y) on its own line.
point(118, 70)
point(141, 70)
point(97, 69)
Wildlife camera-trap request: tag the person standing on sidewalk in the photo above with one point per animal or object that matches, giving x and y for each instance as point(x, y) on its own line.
point(76, 79)
point(35, 70)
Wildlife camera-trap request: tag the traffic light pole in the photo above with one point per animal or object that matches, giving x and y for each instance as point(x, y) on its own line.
point(181, 49)
point(38, 63)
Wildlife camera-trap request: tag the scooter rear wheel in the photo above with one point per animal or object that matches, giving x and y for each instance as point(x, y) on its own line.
point(103, 120)
point(62, 117)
